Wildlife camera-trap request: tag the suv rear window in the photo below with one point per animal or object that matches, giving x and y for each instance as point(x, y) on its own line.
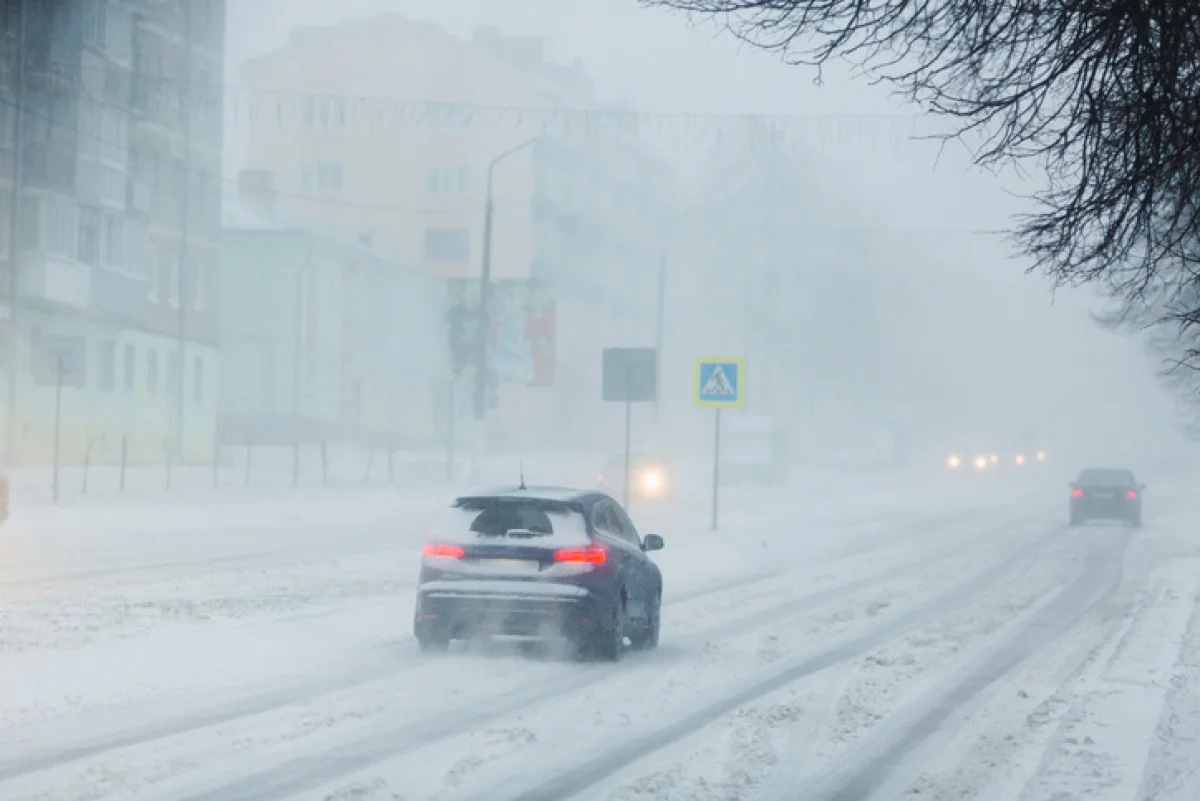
point(1106, 478)
point(478, 520)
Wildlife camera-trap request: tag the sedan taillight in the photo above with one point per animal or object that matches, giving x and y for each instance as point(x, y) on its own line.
point(443, 551)
point(591, 555)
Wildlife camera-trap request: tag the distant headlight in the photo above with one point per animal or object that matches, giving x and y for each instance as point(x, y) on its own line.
point(1020, 458)
point(953, 462)
point(981, 462)
point(652, 481)
point(993, 458)
point(1041, 457)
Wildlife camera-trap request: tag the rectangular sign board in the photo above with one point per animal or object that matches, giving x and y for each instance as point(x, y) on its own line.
point(720, 382)
point(630, 375)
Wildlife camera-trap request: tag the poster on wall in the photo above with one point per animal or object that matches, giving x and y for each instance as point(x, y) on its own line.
point(521, 326)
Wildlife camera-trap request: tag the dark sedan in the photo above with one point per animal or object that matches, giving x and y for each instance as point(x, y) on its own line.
point(540, 562)
point(1106, 494)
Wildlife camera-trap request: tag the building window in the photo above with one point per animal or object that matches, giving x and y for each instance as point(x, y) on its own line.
point(199, 284)
point(118, 30)
point(91, 128)
point(152, 371)
point(198, 378)
point(114, 241)
point(108, 366)
point(173, 281)
point(325, 176)
point(172, 373)
point(29, 224)
point(89, 235)
point(448, 180)
point(329, 176)
point(130, 367)
point(158, 275)
point(115, 137)
point(62, 228)
point(446, 244)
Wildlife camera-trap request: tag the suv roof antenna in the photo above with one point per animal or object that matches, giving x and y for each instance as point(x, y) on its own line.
point(522, 463)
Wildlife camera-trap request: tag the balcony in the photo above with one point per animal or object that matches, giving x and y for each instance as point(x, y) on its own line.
point(49, 278)
point(50, 165)
point(118, 294)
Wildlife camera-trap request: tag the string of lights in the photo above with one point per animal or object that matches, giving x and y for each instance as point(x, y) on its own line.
point(350, 114)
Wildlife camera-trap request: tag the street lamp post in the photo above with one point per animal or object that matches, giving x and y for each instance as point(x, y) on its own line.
point(482, 321)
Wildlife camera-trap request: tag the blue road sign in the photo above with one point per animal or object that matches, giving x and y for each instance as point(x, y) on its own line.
point(720, 382)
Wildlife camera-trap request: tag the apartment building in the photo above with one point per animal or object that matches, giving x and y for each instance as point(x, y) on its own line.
point(386, 129)
point(117, 227)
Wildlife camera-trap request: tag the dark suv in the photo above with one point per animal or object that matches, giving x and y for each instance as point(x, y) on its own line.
point(1106, 494)
point(540, 562)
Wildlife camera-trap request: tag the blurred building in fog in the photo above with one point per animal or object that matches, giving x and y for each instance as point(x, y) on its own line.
point(385, 130)
point(117, 225)
point(324, 338)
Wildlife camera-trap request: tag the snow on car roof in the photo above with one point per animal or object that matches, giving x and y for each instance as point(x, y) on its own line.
point(549, 493)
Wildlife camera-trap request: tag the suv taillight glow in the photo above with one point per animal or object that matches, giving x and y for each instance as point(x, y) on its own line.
point(591, 555)
point(443, 551)
point(1131, 495)
point(1077, 493)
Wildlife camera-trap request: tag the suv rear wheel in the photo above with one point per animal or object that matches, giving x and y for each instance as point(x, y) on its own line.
point(608, 640)
point(647, 638)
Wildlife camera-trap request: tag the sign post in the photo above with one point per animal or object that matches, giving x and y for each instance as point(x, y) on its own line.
point(59, 367)
point(720, 384)
point(60, 360)
point(630, 375)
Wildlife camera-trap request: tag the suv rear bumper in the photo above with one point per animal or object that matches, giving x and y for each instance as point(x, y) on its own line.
point(540, 610)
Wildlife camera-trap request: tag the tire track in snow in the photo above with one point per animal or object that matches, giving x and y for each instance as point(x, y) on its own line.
point(572, 780)
point(270, 702)
point(872, 770)
point(280, 699)
point(304, 774)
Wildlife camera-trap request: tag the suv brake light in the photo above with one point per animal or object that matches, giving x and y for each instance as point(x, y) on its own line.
point(1131, 495)
point(1077, 493)
point(592, 555)
point(443, 551)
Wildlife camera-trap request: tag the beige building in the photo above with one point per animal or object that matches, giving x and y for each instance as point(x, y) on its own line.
point(384, 129)
point(340, 117)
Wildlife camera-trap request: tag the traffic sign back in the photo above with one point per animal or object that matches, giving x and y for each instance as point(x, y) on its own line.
point(720, 382)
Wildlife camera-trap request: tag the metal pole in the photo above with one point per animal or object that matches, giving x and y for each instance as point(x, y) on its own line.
point(481, 325)
point(485, 282)
point(628, 426)
point(124, 460)
point(450, 420)
point(10, 425)
point(658, 332)
point(186, 102)
point(57, 421)
point(716, 471)
point(297, 366)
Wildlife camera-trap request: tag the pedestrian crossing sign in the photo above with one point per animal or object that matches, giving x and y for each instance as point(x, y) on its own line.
point(720, 382)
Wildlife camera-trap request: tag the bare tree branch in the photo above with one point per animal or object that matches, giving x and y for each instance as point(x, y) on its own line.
point(1103, 96)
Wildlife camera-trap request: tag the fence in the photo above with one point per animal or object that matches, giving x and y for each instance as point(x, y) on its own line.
point(241, 466)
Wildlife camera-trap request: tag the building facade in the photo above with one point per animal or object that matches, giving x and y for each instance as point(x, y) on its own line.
point(323, 338)
point(117, 225)
point(386, 130)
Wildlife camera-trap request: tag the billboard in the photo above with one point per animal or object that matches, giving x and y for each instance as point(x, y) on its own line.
point(521, 328)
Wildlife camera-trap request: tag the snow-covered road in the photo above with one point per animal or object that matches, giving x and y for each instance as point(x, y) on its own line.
point(837, 644)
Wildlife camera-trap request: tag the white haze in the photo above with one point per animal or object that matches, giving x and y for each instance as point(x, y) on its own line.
point(968, 346)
